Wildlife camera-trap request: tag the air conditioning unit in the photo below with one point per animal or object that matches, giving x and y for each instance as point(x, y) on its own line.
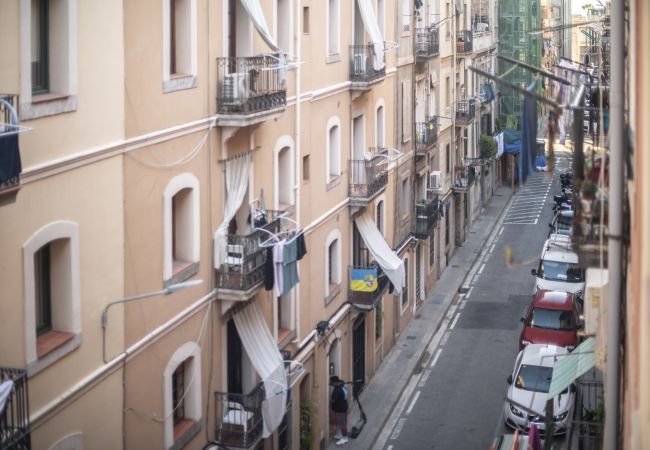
point(236, 86)
point(435, 180)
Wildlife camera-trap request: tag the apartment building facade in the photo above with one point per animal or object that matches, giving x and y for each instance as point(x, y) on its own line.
point(229, 204)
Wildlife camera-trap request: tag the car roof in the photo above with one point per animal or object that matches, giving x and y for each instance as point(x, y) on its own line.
point(560, 300)
point(558, 248)
point(541, 354)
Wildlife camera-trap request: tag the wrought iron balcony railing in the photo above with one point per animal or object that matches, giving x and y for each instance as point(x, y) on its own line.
point(9, 173)
point(252, 84)
point(426, 216)
point(366, 299)
point(244, 267)
point(239, 418)
point(362, 67)
point(426, 134)
point(464, 42)
point(465, 176)
point(15, 430)
point(367, 176)
point(465, 111)
point(427, 43)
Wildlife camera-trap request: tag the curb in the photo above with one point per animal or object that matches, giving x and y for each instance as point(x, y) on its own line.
point(447, 303)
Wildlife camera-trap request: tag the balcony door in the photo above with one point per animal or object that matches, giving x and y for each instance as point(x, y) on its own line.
point(240, 371)
point(239, 30)
point(359, 353)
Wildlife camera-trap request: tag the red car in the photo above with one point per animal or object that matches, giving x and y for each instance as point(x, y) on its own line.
point(552, 318)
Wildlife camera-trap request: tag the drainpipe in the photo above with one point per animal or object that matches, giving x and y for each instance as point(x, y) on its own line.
point(616, 146)
point(298, 162)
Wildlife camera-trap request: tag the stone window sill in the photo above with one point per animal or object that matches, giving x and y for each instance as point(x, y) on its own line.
point(181, 271)
point(184, 431)
point(179, 82)
point(334, 291)
point(48, 105)
point(51, 347)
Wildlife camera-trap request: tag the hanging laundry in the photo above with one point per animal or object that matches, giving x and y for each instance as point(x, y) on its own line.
point(302, 246)
point(269, 278)
point(289, 265)
point(278, 251)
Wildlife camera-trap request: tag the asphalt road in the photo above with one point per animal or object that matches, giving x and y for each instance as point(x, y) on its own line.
point(458, 399)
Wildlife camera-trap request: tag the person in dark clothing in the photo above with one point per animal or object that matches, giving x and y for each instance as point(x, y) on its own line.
point(339, 405)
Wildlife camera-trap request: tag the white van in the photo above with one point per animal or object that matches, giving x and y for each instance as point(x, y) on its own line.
point(559, 268)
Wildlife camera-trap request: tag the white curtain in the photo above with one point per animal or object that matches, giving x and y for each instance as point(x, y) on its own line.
point(387, 259)
point(236, 183)
point(254, 10)
point(5, 391)
point(372, 27)
point(267, 360)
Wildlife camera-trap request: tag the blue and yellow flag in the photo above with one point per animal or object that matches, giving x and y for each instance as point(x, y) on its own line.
point(363, 280)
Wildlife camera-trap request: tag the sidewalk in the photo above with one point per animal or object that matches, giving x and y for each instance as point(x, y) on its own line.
point(385, 387)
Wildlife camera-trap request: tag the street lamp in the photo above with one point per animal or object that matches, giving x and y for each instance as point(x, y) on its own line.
point(166, 291)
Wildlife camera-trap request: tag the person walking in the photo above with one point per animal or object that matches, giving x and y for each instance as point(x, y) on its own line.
point(339, 405)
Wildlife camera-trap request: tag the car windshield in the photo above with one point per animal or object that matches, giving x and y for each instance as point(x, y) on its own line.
point(552, 319)
point(534, 378)
point(561, 271)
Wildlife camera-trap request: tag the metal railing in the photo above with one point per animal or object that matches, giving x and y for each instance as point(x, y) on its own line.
point(465, 110)
point(426, 134)
point(367, 176)
point(362, 67)
point(12, 182)
point(464, 41)
point(15, 431)
point(427, 43)
point(239, 418)
point(426, 216)
point(247, 85)
point(244, 267)
point(465, 176)
point(361, 298)
point(586, 430)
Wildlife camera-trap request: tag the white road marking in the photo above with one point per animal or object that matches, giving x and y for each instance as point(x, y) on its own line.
point(500, 231)
point(492, 248)
point(425, 377)
point(398, 428)
point(412, 405)
point(480, 271)
point(453, 324)
point(444, 339)
point(469, 292)
point(435, 358)
point(462, 305)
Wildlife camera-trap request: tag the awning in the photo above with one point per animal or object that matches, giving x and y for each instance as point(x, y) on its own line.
point(569, 367)
point(372, 27)
point(254, 10)
point(387, 259)
point(267, 360)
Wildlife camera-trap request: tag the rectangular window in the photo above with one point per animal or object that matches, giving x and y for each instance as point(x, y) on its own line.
point(447, 159)
point(406, 15)
point(40, 47)
point(405, 289)
point(378, 320)
point(448, 17)
point(447, 92)
point(333, 28)
point(43, 287)
point(284, 25)
point(180, 37)
point(305, 168)
point(335, 152)
point(432, 247)
point(331, 261)
point(404, 206)
point(285, 325)
point(305, 20)
point(178, 393)
point(407, 110)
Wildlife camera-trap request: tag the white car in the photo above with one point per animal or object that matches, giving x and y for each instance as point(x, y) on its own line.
point(559, 268)
point(529, 384)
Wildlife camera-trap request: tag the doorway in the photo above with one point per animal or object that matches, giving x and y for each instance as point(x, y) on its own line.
point(359, 354)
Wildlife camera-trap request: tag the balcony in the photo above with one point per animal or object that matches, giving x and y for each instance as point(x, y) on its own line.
point(251, 89)
point(243, 273)
point(15, 430)
point(363, 299)
point(427, 44)
point(426, 135)
point(465, 111)
point(362, 70)
point(239, 418)
point(464, 42)
point(10, 159)
point(464, 177)
point(426, 216)
point(367, 178)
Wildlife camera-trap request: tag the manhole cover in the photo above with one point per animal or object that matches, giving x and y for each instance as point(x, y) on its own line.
point(410, 338)
point(463, 290)
point(455, 265)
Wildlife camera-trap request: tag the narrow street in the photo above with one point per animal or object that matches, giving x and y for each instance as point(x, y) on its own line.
point(456, 400)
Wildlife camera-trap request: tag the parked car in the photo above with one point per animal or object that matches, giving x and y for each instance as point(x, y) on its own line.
point(551, 318)
point(562, 223)
point(529, 383)
point(559, 268)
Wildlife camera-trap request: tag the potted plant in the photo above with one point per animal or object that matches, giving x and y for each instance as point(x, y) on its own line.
point(307, 411)
point(588, 189)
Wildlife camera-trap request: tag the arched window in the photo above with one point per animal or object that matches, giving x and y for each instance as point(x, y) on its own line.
point(333, 268)
point(380, 119)
point(333, 146)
